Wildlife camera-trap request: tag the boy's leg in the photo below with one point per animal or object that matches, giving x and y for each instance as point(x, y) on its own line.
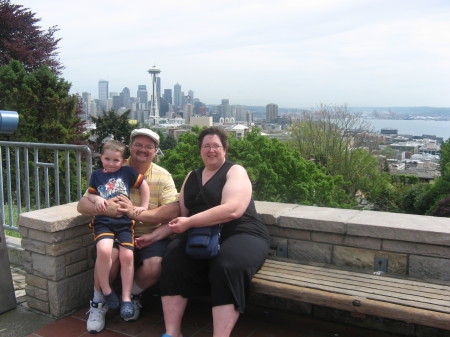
point(126, 258)
point(103, 264)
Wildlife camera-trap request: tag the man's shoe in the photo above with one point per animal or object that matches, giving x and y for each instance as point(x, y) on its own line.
point(136, 299)
point(96, 320)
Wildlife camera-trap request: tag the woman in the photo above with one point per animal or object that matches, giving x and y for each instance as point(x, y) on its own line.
point(244, 240)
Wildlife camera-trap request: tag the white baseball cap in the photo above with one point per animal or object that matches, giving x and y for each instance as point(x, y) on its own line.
point(145, 132)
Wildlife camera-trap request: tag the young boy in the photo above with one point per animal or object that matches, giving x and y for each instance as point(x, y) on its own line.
point(113, 180)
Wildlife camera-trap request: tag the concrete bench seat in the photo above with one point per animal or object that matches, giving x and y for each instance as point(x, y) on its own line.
point(395, 298)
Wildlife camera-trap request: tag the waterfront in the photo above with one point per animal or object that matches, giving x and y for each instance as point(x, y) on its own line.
point(415, 127)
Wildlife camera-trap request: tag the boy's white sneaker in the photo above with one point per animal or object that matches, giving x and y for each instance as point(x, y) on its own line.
point(96, 320)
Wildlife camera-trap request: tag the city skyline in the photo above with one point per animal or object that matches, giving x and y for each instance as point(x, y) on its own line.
point(293, 53)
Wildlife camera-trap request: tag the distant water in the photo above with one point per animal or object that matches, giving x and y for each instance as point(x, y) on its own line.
point(414, 127)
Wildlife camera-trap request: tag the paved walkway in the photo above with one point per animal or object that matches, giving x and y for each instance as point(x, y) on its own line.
point(197, 322)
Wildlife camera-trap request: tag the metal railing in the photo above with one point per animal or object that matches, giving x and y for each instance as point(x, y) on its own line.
point(29, 182)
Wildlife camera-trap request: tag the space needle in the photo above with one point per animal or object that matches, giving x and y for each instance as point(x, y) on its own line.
point(154, 111)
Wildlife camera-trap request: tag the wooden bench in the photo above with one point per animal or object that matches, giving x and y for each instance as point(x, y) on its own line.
point(384, 296)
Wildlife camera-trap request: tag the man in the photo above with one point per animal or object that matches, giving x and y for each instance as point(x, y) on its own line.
point(163, 206)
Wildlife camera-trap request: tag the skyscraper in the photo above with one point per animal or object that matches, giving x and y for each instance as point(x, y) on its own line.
point(142, 95)
point(177, 99)
point(271, 112)
point(103, 93)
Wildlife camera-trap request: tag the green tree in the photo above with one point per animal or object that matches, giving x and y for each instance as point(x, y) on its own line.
point(277, 172)
point(183, 158)
point(336, 138)
point(23, 40)
point(110, 125)
point(440, 189)
point(47, 112)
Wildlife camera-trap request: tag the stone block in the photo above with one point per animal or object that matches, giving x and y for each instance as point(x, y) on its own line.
point(34, 246)
point(429, 268)
point(38, 235)
point(41, 294)
point(53, 219)
point(362, 242)
point(319, 219)
point(75, 256)
point(416, 248)
point(36, 281)
point(50, 267)
point(309, 251)
point(364, 259)
point(291, 233)
point(78, 231)
point(38, 305)
point(64, 247)
point(332, 238)
point(76, 268)
point(401, 227)
point(269, 212)
point(71, 293)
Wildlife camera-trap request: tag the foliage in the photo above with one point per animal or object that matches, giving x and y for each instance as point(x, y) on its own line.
point(339, 141)
point(47, 112)
point(166, 142)
point(277, 172)
point(23, 40)
point(182, 159)
point(110, 124)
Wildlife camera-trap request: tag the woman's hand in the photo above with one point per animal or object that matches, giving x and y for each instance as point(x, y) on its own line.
point(179, 225)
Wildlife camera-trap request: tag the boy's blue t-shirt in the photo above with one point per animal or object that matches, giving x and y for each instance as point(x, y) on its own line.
point(111, 184)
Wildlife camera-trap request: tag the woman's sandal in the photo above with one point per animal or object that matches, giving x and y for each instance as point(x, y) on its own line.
point(127, 310)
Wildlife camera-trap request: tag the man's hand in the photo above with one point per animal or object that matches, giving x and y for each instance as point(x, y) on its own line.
point(86, 207)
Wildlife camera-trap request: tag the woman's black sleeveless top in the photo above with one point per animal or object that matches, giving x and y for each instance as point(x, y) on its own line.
point(249, 222)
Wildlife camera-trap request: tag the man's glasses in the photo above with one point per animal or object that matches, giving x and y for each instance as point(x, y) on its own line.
point(214, 147)
point(146, 147)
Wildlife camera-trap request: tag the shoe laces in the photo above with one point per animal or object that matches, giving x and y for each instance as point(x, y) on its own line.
point(95, 314)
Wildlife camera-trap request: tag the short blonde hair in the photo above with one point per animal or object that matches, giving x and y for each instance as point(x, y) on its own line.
point(115, 145)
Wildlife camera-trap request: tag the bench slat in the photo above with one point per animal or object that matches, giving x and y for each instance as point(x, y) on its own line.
point(344, 302)
point(406, 300)
point(382, 285)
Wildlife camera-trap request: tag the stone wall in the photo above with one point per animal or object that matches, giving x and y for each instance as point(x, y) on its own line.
point(57, 258)
point(411, 245)
point(58, 250)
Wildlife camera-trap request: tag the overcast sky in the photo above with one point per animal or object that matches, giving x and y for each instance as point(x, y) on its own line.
point(295, 53)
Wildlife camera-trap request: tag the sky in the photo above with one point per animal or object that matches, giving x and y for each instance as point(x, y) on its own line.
point(294, 53)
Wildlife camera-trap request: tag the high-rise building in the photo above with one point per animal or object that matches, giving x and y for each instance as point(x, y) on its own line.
point(103, 93)
point(177, 96)
point(168, 95)
point(86, 98)
point(142, 96)
point(271, 112)
point(125, 98)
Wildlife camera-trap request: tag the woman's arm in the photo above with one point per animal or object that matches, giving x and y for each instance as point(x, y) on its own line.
point(236, 196)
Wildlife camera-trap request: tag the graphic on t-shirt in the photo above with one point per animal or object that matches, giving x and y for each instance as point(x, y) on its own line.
point(112, 188)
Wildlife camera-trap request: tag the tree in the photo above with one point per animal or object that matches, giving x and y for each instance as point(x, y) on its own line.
point(277, 172)
point(47, 112)
point(23, 40)
point(110, 125)
point(336, 137)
